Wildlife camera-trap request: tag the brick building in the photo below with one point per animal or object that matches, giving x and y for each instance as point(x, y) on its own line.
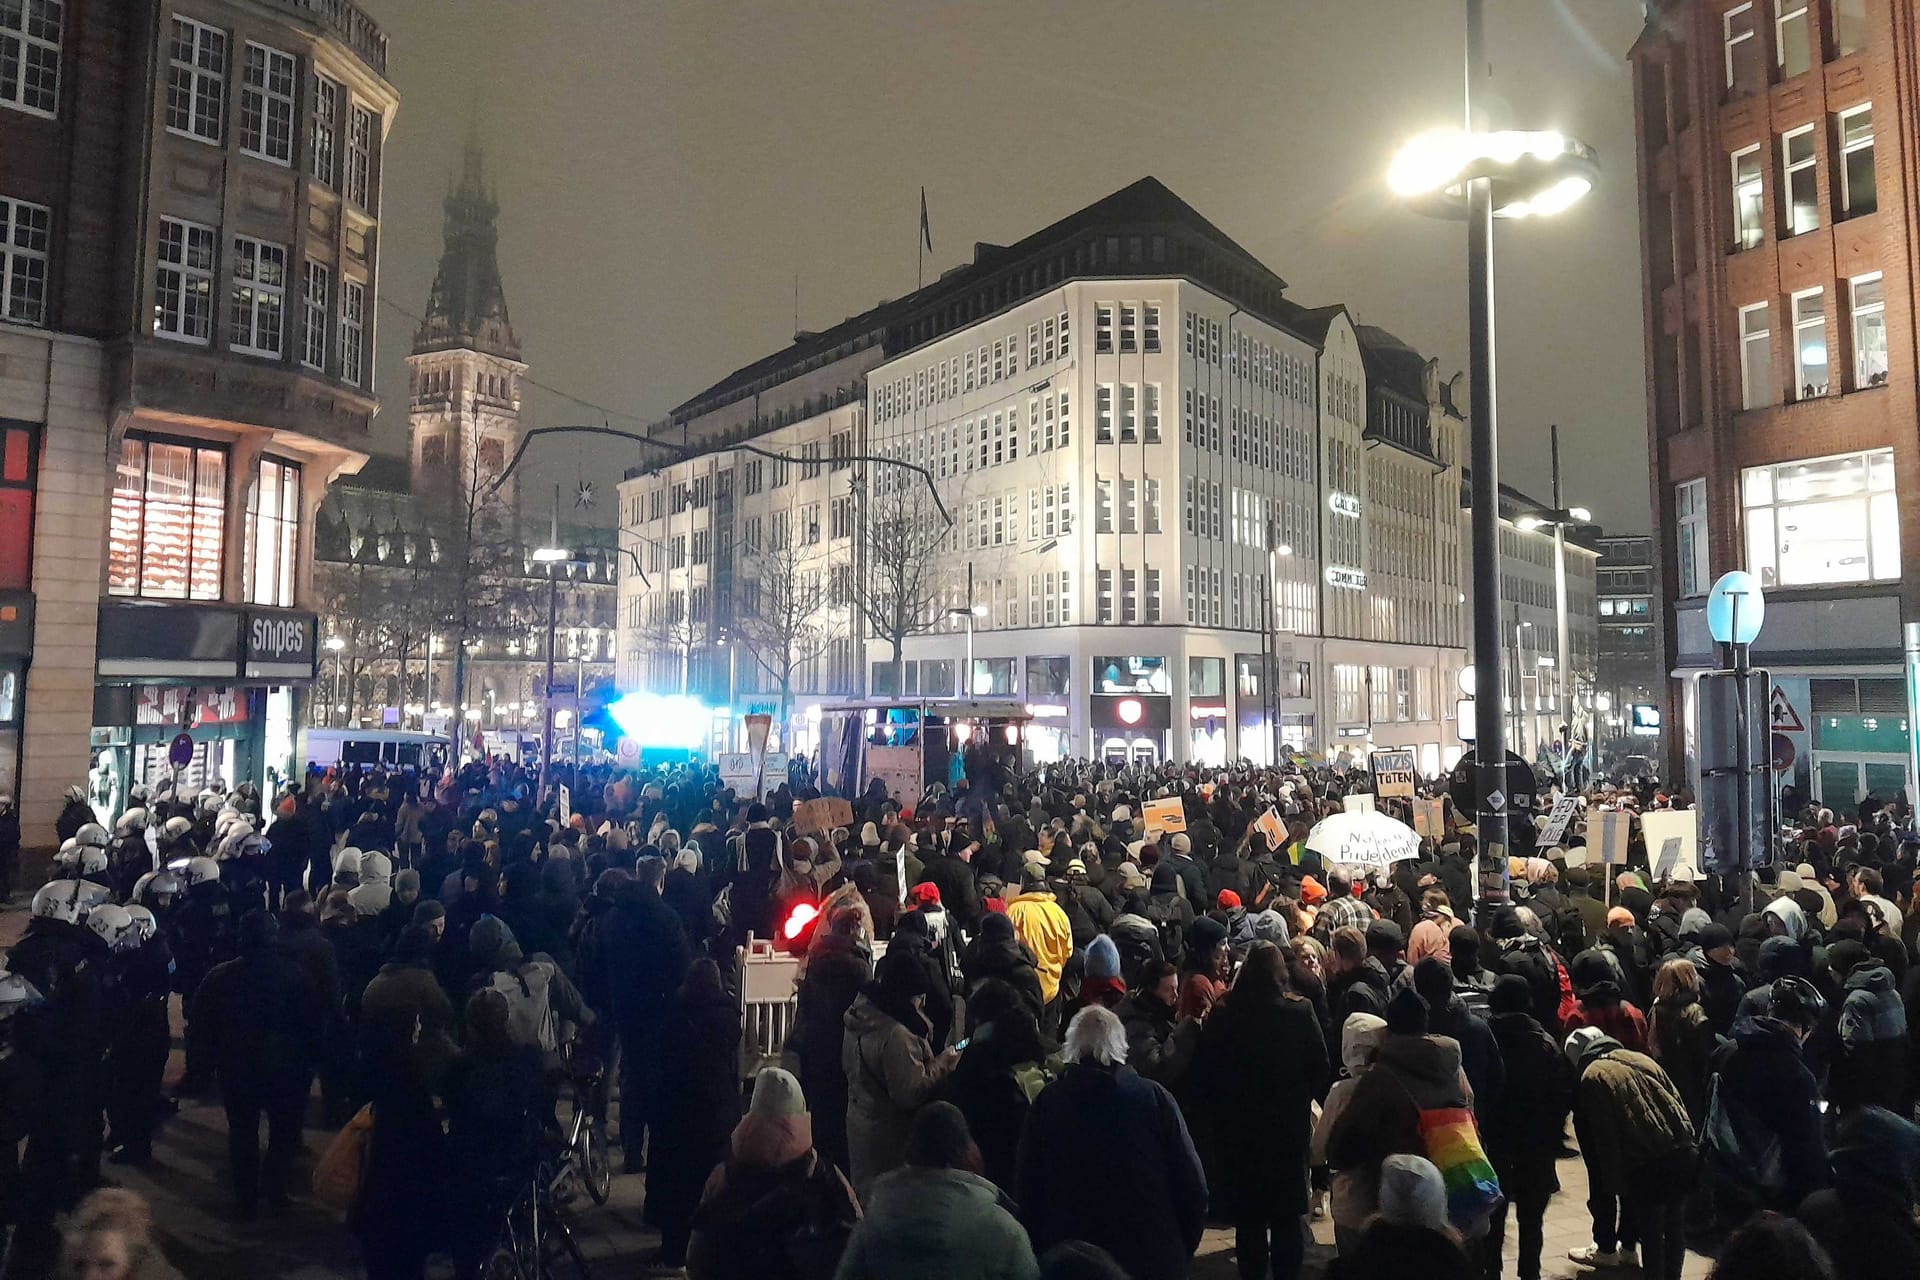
point(1778, 230)
point(189, 234)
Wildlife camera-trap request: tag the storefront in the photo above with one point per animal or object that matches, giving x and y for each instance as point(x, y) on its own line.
point(1207, 711)
point(227, 676)
point(1132, 709)
point(1048, 691)
point(16, 647)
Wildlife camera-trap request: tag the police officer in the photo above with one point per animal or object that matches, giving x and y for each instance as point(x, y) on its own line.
point(137, 1059)
point(202, 924)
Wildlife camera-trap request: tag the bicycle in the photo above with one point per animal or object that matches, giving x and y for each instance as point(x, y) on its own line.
point(588, 1159)
point(536, 1235)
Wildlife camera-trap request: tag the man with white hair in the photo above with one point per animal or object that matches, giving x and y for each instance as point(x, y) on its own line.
point(1106, 1158)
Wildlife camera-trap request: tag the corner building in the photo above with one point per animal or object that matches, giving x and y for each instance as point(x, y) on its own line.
point(189, 238)
point(1191, 519)
point(1778, 229)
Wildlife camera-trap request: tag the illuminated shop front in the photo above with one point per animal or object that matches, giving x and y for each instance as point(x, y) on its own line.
point(1132, 709)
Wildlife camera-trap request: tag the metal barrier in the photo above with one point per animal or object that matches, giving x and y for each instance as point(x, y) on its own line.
point(769, 979)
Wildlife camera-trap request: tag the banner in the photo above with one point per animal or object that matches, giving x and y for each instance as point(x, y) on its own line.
point(566, 806)
point(1358, 802)
point(1557, 821)
point(1672, 841)
point(740, 770)
point(1430, 817)
point(1163, 816)
point(758, 728)
point(1393, 773)
point(1614, 827)
point(1269, 824)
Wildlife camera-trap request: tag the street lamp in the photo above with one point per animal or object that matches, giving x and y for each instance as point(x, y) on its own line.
point(969, 613)
point(334, 644)
point(1482, 175)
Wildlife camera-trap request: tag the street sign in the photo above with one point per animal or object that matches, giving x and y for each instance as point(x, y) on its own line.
point(1781, 717)
point(1463, 787)
point(1783, 753)
point(180, 753)
point(628, 752)
point(559, 687)
point(1393, 773)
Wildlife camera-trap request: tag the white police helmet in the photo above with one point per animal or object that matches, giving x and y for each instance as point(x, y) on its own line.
point(132, 820)
point(76, 795)
point(16, 993)
point(200, 871)
point(109, 923)
point(92, 833)
point(143, 925)
point(58, 900)
point(248, 845)
point(177, 828)
point(69, 856)
point(93, 861)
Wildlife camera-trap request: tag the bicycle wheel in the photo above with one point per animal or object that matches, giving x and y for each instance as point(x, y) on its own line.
point(596, 1164)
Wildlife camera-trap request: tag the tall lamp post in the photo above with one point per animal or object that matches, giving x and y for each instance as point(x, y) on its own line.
point(969, 613)
point(1477, 175)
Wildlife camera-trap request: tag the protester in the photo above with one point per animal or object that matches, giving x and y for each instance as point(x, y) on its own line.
point(1410, 1235)
point(1522, 1125)
point(1638, 1145)
point(110, 1237)
point(892, 1068)
point(700, 1046)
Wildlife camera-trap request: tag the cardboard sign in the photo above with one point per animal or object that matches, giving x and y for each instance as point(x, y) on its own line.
point(1559, 820)
point(1270, 825)
point(1358, 802)
point(1393, 773)
point(566, 806)
point(1163, 817)
point(820, 817)
point(1672, 841)
point(1430, 818)
point(1615, 826)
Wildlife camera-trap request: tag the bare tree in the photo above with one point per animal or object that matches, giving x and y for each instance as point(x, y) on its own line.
point(788, 619)
point(902, 595)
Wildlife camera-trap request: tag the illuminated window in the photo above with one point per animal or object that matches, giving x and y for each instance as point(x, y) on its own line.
point(1792, 37)
point(1869, 331)
point(1800, 194)
point(167, 528)
point(1756, 357)
point(360, 157)
point(19, 457)
point(327, 96)
point(313, 301)
point(353, 323)
point(1824, 521)
point(1749, 218)
point(1857, 189)
point(1690, 513)
point(273, 533)
point(1810, 344)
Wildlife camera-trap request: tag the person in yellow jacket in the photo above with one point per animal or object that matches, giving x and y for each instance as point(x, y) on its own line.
point(1042, 925)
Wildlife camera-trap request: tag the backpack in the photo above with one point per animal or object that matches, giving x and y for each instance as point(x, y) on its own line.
point(1741, 1148)
point(1569, 929)
point(530, 1018)
point(1173, 932)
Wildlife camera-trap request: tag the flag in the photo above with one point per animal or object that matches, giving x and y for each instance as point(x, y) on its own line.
point(926, 232)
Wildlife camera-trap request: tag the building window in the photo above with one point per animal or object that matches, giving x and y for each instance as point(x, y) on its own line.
point(1129, 412)
point(1869, 331)
point(19, 455)
point(1810, 344)
point(1129, 327)
point(1857, 193)
point(1690, 523)
point(1152, 512)
point(353, 320)
point(1792, 40)
point(1103, 592)
point(267, 82)
point(313, 302)
point(1103, 413)
point(30, 55)
point(1756, 357)
point(1849, 25)
point(1824, 521)
point(183, 281)
point(259, 296)
point(1740, 32)
point(167, 526)
point(273, 524)
point(1102, 329)
point(360, 157)
point(197, 81)
point(26, 231)
point(1799, 192)
point(326, 129)
point(1153, 596)
point(1749, 217)
point(1150, 412)
point(1149, 327)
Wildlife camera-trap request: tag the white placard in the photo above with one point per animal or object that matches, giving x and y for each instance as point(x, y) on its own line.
point(1557, 822)
point(1393, 773)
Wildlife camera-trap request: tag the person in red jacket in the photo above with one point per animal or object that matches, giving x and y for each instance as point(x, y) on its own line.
point(1599, 1002)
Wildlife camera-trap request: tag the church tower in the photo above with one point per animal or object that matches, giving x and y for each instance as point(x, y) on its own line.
point(463, 377)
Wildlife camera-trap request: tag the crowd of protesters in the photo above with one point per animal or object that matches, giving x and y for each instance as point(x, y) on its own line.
point(1032, 1036)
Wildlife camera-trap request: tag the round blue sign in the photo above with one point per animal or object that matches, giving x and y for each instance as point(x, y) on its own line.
point(180, 753)
point(1735, 608)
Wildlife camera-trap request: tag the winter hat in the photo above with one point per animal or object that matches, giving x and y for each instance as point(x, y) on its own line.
point(1103, 958)
point(1312, 892)
point(427, 910)
point(490, 939)
point(1619, 918)
point(1711, 938)
point(1121, 813)
point(1412, 1193)
point(1182, 843)
point(1204, 934)
point(405, 880)
point(258, 930)
point(1845, 956)
point(1227, 900)
point(1511, 994)
point(1580, 1042)
point(924, 895)
point(870, 836)
point(939, 1138)
point(1578, 877)
point(1385, 936)
point(775, 1094)
point(1407, 1013)
point(1131, 877)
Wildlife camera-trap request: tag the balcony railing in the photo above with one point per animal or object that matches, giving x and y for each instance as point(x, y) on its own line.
point(346, 20)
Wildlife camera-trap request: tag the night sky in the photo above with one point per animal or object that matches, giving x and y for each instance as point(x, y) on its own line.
point(666, 169)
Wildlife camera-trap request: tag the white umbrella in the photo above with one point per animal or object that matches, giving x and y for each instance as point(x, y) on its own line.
point(1368, 838)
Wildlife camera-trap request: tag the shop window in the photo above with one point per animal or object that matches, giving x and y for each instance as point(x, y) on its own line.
point(18, 459)
point(273, 533)
point(167, 529)
point(993, 677)
point(1048, 677)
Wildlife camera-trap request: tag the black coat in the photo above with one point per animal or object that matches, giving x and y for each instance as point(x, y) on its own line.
point(958, 892)
point(641, 952)
point(1010, 962)
point(699, 1081)
point(987, 1092)
point(1479, 1053)
point(837, 967)
point(1106, 1158)
point(258, 1021)
point(1258, 1068)
point(1521, 1125)
point(1762, 1070)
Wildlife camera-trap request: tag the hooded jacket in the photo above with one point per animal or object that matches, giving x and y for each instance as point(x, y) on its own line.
point(1043, 926)
point(1355, 1193)
point(1871, 1066)
point(1521, 1123)
point(891, 1070)
point(1410, 1074)
point(936, 1224)
point(1762, 1072)
point(1632, 1123)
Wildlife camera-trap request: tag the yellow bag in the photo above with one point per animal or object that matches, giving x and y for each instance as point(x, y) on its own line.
point(336, 1178)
